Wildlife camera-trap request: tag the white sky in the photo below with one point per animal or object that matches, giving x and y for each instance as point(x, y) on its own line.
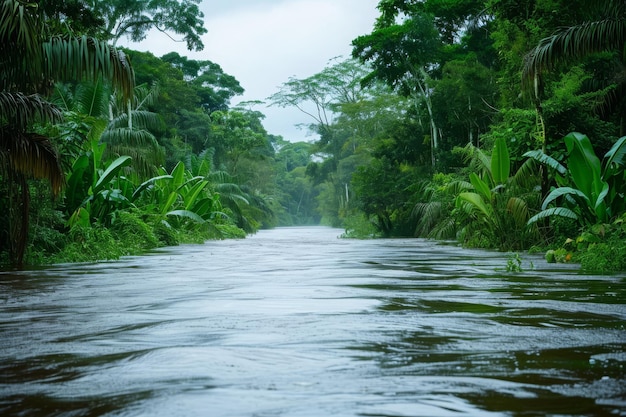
point(264, 42)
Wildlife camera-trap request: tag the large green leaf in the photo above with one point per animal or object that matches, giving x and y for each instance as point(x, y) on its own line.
point(80, 217)
point(583, 165)
point(480, 186)
point(179, 174)
point(192, 195)
point(204, 207)
point(144, 185)
point(171, 199)
point(553, 211)
point(76, 190)
point(110, 173)
point(476, 202)
point(565, 191)
point(186, 214)
point(547, 160)
point(518, 209)
point(500, 162)
point(615, 159)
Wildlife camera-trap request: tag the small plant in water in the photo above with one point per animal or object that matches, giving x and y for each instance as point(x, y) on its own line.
point(514, 263)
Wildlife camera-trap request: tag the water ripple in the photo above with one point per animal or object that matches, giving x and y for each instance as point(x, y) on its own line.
point(296, 322)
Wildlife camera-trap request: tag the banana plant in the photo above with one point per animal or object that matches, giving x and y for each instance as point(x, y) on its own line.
point(494, 200)
point(177, 196)
point(589, 191)
point(93, 193)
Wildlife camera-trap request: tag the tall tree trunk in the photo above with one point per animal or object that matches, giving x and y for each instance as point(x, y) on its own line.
point(18, 211)
point(434, 132)
point(541, 124)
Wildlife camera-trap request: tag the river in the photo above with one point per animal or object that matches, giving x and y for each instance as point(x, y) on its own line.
point(297, 322)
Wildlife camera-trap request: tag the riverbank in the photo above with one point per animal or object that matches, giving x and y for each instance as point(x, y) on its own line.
point(129, 236)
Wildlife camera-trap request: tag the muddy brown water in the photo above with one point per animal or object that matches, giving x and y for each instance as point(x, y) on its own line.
point(296, 322)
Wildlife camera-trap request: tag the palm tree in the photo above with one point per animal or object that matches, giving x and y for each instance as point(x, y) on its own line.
point(129, 131)
point(606, 33)
point(126, 126)
point(30, 62)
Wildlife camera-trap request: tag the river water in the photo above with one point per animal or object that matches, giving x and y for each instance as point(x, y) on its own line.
point(296, 322)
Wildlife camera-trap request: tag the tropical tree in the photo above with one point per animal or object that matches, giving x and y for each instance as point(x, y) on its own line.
point(213, 86)
point(235, 135)
point(130, 129)
point(383, 190)
point(402, 50)
point(134, 18)
point(30, 62)
point(93, 112)
point(602, 31)
point(324, 97)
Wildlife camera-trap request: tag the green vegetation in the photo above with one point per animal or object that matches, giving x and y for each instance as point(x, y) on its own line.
point(452, 120)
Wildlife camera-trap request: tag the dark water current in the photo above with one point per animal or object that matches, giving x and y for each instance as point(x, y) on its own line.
point(295, 322)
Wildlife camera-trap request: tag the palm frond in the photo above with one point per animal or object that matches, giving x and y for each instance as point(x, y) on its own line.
point(446, 229)
point(527, 175)
point(32, 155)
point(92, 99)
point(565, 192)
point(203, 163)
point(128, 137)
point(427, 215)
point(553, 211)
point(575, 42)
point(221, 177)
point(477, 159)
point(457, 187)
point(146, 96)
point(518, 210)
point(141, 145)
point(144, 161)
point(84, 57)
point(546, 160)
point(615, 159)
point(142, 119)
point(20, 110)
point(20, 45)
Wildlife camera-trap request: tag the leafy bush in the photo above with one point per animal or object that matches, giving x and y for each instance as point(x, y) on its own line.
point(599, 249)
point(86, 244)
point(166, 235)
point(228, 231)
point(134, 235)
point(605, 257)
point(359, 226)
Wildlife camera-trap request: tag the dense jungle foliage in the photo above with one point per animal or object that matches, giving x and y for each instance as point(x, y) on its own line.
point(495, 123)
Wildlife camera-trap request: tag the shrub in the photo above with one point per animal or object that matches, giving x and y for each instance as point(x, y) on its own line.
point(86, 244)
point(358, 226)
point(605, 257)
point(134, 235)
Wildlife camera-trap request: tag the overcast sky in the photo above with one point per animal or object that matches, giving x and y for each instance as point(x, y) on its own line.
point(264, 42)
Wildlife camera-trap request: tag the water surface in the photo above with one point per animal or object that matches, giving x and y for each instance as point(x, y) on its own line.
point(296, 322)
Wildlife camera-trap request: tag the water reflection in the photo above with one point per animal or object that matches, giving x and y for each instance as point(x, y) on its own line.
point(295, 322)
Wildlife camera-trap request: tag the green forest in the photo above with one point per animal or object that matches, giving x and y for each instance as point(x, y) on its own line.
point(496, 124)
